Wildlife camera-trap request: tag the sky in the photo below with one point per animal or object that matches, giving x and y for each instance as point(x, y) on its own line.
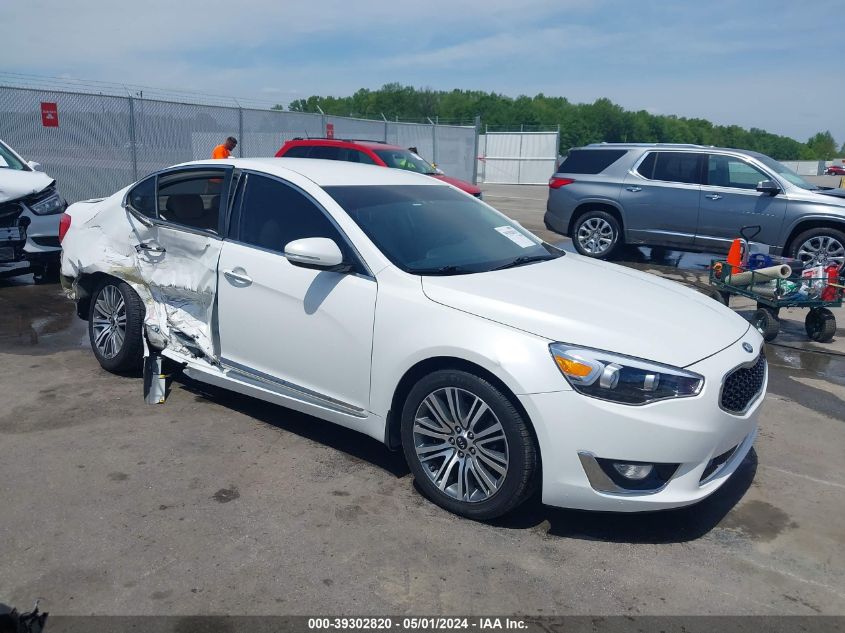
point(773, 65)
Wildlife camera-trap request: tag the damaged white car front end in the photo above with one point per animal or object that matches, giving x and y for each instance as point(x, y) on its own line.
point(30, 205)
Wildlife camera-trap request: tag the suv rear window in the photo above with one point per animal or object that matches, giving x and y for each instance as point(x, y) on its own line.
point(590, 161)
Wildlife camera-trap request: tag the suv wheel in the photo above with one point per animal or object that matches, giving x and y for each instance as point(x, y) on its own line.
point(596, 234)
point(819, 247)
point(115, 319)
point(470, 450)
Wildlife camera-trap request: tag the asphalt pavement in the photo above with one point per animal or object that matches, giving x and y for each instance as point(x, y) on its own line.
point(215, 503)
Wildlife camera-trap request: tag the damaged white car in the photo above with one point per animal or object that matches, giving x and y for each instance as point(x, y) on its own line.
point(399, 306)
point(30, 207)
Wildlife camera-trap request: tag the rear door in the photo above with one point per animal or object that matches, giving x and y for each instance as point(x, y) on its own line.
point(730, 201)
point(177, 241)
point(661, 198)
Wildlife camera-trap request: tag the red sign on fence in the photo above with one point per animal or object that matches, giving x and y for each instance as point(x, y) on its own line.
point(329, 130)
point(49, 114)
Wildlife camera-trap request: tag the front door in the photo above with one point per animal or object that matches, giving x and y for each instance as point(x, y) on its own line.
point(177, 242)
point(730, 201)
point(302, 332)
point(661, 199)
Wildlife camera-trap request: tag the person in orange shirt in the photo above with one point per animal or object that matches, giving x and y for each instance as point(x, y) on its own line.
point(224, 150)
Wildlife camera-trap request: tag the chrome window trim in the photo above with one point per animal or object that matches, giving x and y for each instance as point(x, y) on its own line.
point(292, 390)
point(753, 400)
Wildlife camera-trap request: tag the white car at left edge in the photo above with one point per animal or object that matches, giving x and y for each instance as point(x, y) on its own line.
point(399, 306)
point(30, 207)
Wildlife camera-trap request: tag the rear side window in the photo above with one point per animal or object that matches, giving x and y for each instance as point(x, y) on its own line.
point(325, 152)
point(143, 197)
point(191, 199)
point(672, 167)
point(357, 156)
point(298, 151)
point(590, 161)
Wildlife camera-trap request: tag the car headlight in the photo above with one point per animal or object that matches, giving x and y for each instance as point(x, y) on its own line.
point(620, 378)
point(49, 205)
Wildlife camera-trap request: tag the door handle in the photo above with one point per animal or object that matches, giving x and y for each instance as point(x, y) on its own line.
point(231, 275)
point(713, 196)
point(634, 189)
point(150, 248)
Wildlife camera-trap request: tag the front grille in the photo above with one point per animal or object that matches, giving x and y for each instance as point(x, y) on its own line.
point(742, 385)
point(9, 213)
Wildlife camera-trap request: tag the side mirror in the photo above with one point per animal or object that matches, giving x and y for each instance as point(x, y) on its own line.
point(33, 165)
point(315, 252)
point(768, 186)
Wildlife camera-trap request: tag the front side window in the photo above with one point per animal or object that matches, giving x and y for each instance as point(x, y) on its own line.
point(682, 167)
point(785, 172)
point(191, 199)
point(728, 171)
point(405, 159)
point(435, 230)
point(357, 156)
point(274, 214)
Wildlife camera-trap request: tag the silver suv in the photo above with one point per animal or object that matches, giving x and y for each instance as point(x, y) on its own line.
point(691, 197)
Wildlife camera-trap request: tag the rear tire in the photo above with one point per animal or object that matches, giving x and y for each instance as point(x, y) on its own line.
point(596, 234)
point(115, 322)
point(820, 325)
point(469, 448)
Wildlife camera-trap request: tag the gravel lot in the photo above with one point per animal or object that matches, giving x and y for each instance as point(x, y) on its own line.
point(215, 503)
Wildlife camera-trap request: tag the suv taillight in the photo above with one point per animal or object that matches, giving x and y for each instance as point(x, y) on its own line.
point(557, 183)
point(64, 225)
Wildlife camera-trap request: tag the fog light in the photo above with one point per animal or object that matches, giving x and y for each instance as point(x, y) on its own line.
point(633, 471)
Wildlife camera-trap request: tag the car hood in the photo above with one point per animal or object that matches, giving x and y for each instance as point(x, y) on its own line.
point(460, 184)
point(838, 194)
point(581, 301)
point(15, 183)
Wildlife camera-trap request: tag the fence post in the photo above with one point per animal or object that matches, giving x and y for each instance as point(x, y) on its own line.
point(385, 126)
point(519, 160)
point(240, 131)
point(475, 151)
point(132, 147)
point(433, 142)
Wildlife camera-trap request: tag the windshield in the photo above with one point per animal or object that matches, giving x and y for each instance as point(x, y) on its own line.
point(9, 161)
point(785, 172)
point(405, 159)
point(435, 230)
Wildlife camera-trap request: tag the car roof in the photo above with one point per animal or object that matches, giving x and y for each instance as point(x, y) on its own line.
point(344, 142)
point(670, 147)
point(326, 173)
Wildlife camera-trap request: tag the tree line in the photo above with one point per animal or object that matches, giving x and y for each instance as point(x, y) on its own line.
point(580, 123)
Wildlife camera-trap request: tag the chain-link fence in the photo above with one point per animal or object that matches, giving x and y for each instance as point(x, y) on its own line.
point(104, 142)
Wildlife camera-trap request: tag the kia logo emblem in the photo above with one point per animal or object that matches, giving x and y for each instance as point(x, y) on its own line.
point(747, 347)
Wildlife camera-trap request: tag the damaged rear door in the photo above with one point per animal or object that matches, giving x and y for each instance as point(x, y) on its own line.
point(177, 251)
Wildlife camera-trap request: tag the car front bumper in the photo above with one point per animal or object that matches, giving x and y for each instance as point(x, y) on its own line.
point(573, 428)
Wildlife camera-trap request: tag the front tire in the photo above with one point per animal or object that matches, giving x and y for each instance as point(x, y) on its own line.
point(115, 321)
point(470, 450)
point(596, 234)
point(820, 246)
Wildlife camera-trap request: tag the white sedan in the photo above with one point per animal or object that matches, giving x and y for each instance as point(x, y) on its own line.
point(403, 308)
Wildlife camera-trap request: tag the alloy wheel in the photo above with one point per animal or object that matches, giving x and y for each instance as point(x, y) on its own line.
point(595, 235)
point(109, 321)
point(461, 444)
point(821, 250)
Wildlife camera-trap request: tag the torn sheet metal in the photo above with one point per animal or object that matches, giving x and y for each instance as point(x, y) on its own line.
point(176, 278)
